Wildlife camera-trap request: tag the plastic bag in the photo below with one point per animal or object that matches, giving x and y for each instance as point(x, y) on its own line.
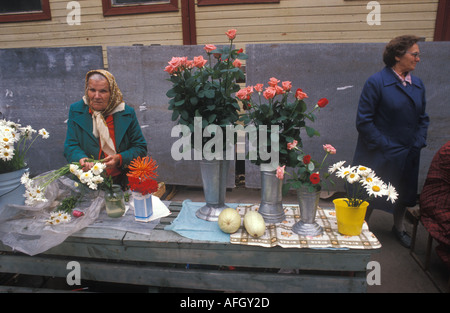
point(24, 228)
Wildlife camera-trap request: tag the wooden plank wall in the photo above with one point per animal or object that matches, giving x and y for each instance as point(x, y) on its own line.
point(290, 21)
point(317, 21)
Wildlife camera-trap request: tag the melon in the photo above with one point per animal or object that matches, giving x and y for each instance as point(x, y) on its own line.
point(254, 224)
point(229, 220)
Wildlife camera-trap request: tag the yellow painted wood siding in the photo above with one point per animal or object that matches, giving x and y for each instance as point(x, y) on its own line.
point(290, 21)
point(297, 21)
point(94, 29)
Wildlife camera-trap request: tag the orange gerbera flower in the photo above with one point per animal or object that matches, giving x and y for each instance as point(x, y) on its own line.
point(143, 168)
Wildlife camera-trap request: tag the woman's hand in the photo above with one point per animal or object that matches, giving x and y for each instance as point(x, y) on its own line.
point(85, 165)
point(112, 161)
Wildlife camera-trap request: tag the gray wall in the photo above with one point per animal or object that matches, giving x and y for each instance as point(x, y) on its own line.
point(37, 86)
point(338, 73)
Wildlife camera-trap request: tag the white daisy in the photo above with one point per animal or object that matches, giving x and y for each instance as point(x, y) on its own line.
point(353, 177)
point(98, 168)
point(363, 170)
point(391, 193)
point(335, 167)
point(344, 171)
point(377, 189)
point(44, 133)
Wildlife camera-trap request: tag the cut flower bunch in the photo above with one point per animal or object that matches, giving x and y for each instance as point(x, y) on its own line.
point(306, 173)
point(362, 184)
point(289, 114)
point(141, 175)
point(93, 178)
point(203, 87)
point(15, 141)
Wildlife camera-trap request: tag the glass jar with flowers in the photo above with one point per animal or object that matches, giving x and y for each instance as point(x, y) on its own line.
point(15, 141)
point(142, 172)
point(308, 181)
point(201, 101)
point(281, 115)
point(361, 185)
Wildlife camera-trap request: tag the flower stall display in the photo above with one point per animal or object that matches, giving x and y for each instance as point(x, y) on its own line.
point(201, 97)
point(15, 141)
point(308, 181)
point(142, 184)
point(276, 105)
point(362, 185)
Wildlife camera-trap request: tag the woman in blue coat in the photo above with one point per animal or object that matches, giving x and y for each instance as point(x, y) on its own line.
point(102, 126)
point(392, 127)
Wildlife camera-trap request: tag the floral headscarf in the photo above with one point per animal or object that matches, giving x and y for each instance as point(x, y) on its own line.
point(116, 97)
point(115, 104)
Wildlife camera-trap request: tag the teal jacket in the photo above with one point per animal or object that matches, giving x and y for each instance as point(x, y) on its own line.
point(81, 143)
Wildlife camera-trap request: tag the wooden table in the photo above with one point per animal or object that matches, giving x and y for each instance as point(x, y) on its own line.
point(161, 258)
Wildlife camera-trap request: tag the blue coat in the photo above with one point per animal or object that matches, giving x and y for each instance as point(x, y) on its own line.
point(392, 129)
point(80, 141)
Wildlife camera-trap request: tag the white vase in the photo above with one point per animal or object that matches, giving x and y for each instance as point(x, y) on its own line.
point(143, 206)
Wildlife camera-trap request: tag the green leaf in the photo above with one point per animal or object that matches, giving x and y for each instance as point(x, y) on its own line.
point(310, 131)
point(175, 115)
point(171, 93)
point(209, 94)
point(178, 103)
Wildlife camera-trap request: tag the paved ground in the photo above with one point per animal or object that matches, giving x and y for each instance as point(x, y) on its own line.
point(400, 273)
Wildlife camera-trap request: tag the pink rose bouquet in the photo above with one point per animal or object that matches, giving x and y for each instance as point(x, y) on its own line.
point(278, 104)
point(203, 87)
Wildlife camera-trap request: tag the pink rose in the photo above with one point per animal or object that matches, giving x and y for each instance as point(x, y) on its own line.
point(199, 61)
point(329, 149)
point(242, 94)
point(258, 87)
point(209, 48)
point(231, 33)
point(300, 95)
point(170, 69)
point(237, 63)
point(287, 85)
point(269, 93)
point(280, 172)
point(77, 213)
point(273, 82)
point(292, 145)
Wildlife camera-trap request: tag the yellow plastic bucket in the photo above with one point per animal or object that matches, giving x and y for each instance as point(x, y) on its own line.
point(349, 219)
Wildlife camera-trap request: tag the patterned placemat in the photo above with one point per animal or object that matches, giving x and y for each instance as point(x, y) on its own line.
point(281, 234)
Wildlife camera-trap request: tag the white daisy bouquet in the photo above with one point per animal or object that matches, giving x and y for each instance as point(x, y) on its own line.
point(362, 184)
point(35, 187)
point(15, 141)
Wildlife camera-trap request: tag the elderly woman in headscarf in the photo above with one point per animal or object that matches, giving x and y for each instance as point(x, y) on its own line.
point(102, 126)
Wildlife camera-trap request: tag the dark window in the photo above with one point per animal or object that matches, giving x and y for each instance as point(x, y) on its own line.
point(24, 10)
point(122, 7)
point(220, 2)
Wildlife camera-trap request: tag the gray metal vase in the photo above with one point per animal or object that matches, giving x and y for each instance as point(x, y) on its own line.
point(271, 206)
point(214, 177)
point(308, 202)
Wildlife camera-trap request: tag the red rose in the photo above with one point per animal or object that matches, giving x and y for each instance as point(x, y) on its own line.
point(314, 178)
point(307, 159)
point(322, 102)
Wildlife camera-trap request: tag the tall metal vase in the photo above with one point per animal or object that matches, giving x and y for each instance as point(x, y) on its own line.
point(271, 206)
point(214, 177)
point(308, 202)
